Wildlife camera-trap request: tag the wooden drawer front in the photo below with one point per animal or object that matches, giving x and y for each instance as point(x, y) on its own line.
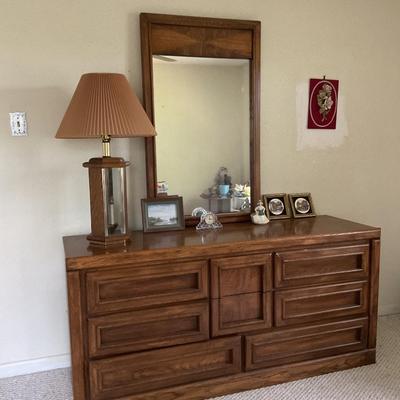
point(146, 286)
point(314, 304)
point(241, 313)
point(147, 329)
point(294, 345)
point(151, 370)
point(314, 266)
point(239, 275)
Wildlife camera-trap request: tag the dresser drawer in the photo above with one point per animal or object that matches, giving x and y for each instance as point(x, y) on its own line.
point(319, 266)
point(147, 329)
point(239, 275)
point(313, 304)
point(151, 370)
point(122, 289)
point(300, 344)
point(241, 313)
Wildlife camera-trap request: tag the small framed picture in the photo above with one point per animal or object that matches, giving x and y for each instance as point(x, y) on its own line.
point(162, 214)
point(277, 206)
point(302, 205)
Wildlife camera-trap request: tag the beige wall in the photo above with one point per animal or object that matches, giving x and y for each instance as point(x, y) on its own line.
point(45, 45)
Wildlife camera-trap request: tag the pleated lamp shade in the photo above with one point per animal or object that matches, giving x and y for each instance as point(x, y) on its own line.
point(104, 104)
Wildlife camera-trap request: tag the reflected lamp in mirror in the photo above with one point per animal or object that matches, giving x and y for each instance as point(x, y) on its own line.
point(104, 106)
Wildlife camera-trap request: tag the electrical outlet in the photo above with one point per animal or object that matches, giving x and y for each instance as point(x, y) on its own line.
point(18, 124)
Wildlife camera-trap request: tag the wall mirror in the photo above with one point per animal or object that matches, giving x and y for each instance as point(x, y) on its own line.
point(201, 81)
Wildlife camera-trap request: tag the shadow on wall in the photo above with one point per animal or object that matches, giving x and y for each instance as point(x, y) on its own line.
point(136, 173)
point(44, 196)
point(133, 60)
point(46, 177)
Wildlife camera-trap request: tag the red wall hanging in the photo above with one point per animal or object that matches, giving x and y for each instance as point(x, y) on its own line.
point(322, 103)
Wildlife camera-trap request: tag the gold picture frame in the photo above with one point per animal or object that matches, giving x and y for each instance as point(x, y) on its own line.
point(277, 206)
point(302, 205)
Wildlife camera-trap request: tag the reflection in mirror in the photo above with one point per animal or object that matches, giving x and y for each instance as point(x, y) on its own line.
point(201, 109)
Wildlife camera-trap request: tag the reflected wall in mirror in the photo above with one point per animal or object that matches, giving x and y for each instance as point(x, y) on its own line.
point(201, 87)
point(201, 114)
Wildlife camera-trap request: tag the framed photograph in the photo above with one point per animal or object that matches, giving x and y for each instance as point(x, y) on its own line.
point(162, 214)
point(302, 205)
point(277, 206)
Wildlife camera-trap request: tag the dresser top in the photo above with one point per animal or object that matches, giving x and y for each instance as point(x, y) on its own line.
point(239, 237)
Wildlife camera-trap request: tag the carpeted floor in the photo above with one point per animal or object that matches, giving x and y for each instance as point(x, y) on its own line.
point(374, 382)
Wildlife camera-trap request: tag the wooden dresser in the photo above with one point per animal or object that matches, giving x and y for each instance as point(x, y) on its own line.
point(189, 315)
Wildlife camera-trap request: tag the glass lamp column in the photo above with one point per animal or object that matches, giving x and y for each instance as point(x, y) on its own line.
point(108, 204)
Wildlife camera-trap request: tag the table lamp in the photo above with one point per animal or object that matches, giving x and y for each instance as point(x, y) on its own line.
point(104, 106)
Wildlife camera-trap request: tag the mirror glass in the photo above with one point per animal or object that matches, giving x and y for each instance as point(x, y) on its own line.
point(201, 112)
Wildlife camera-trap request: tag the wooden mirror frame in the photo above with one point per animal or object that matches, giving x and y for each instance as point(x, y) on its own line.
point(178, 35)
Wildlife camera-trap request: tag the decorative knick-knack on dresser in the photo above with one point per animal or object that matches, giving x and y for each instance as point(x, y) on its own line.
point(259, 217)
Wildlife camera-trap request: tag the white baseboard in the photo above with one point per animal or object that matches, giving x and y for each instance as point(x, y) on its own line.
point(389, 309)
point(36, 365)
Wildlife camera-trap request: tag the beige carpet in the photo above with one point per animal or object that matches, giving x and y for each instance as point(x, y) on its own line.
point(374, 382)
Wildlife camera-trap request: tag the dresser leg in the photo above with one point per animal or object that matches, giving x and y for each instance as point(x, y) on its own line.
point(374, 288)
point(76, 335)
